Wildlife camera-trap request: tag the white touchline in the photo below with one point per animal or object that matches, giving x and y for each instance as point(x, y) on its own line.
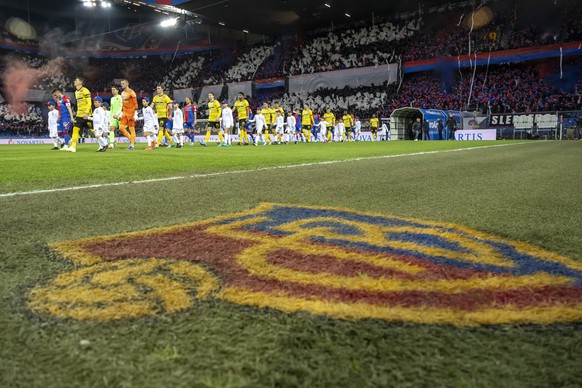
point(211, 174)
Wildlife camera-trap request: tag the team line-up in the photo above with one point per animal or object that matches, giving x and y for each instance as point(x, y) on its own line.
point(166, 124)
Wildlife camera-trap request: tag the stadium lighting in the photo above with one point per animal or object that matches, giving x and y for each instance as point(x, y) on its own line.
point(246, 31)
point(105, 4)
point(348, 15)
point(171, 22)
point(327, 5)
point(222, 23)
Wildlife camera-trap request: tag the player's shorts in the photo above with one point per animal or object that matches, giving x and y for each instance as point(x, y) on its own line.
point(307, 128)
point(114, 123)
point(298, 129)
point(169, 125)
point(162, 122)
point(63, 128)
point(189, 126)
point(177, 130)
point(374, 130)
point(213, 124)
point(150, 129)
point(127, 121)
point(82, 123)
point(242, 123)
point(279, 130)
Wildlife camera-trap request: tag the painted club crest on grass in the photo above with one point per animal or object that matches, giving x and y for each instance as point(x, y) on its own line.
point(327, 261)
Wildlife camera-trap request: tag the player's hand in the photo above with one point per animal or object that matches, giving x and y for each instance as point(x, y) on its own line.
point(85, 116)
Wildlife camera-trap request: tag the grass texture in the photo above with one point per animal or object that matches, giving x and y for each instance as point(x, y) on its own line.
point(526, 192)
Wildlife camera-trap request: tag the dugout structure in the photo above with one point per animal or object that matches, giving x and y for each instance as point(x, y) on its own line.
point(401, 121)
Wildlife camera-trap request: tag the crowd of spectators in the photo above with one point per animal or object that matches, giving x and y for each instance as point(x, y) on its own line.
point(21, 125)
point(247, 64)
point(350, 48)
point(500, 89)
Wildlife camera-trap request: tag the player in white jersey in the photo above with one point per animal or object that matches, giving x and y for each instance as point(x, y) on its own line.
point(323, 129)
point(107, 121)
point(279, 126)
point(289, 126)
point(357, 129)
point(339, 130)
point(150, 123)
point(227, 123)
point(53, 125)
point(177, 125)
point(100, 125)
point(384, 132)
point(260, 124)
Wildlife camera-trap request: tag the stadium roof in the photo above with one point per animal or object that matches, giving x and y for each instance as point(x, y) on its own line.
point(270, 17)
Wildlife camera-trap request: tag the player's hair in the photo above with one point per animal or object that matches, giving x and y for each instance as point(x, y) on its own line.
point(241, 93)
point(57, 90)
point(115, 86)
point(124, 79)
point(80, 79)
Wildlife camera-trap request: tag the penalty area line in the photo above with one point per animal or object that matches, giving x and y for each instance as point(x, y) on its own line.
point(220, 173)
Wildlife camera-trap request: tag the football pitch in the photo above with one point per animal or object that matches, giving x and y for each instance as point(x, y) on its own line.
point(354, 264)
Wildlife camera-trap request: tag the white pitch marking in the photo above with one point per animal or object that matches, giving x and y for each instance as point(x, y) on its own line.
point(212, 174)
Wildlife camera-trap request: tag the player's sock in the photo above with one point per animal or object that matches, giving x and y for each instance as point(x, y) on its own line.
point(132, 132)
point(125, 133)
point(75, 137)
point(207, 136)
point(168, 137)
point(220, 137)
point(55, 142)
point(149, 139)
point(160, 135)
point(182, 140)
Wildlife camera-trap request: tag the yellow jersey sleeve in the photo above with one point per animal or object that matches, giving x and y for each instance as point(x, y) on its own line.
point(83, 97)
point(214, 111)
point(242, 109)
point(161, 104)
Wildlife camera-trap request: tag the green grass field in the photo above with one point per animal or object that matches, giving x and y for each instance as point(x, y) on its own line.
point(528, 192)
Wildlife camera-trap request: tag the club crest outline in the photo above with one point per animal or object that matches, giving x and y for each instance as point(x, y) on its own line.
point(336, 262)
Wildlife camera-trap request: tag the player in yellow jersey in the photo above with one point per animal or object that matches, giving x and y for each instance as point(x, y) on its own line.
point(84, 103)
point(307, 122)
point(242, 109)
point(268, 114)
point(329, 118)
point(214, 113)
point(161, 101)
point(374, 124)
point(348, 124)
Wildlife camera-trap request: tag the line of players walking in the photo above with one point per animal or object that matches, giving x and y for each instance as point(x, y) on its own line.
point(166, 124)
